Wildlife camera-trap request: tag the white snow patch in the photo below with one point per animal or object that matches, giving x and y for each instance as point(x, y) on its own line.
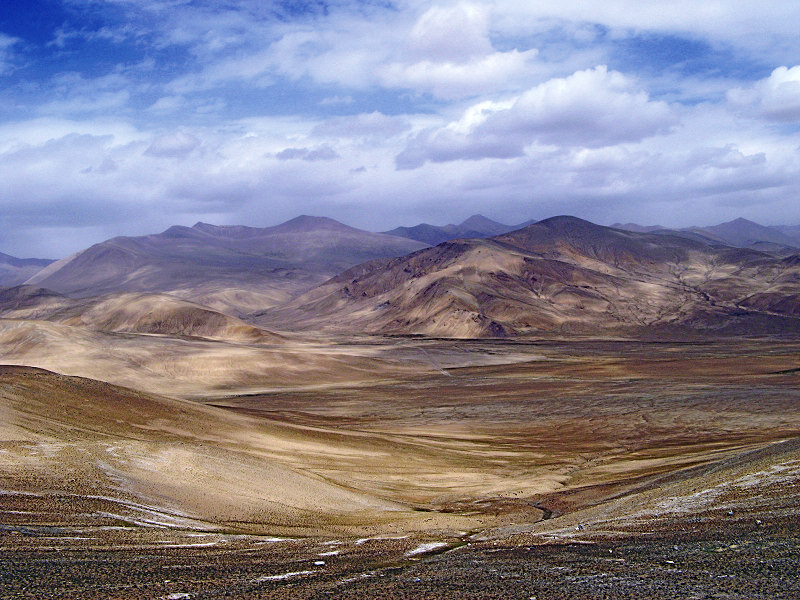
point(369, 539)
point(283, 576)
point(423, 548)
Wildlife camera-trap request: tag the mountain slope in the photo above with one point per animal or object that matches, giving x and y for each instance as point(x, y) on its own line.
point(14, 271)
point(562, 274)
point(229, 268)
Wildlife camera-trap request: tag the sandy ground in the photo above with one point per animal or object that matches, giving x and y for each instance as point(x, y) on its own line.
point(506, 469)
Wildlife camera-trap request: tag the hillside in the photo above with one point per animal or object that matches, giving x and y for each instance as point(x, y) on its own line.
point(236, 268)
point(557, 276)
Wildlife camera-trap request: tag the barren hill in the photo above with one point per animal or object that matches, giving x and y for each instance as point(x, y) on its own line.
point(129, 313)
point(559, 275)
point(232, 268)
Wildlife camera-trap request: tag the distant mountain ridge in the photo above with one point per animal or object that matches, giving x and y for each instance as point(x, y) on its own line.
point(476, 226)
point(561, 275)
point(740, 232)
point(233, 268)
point(14, 271)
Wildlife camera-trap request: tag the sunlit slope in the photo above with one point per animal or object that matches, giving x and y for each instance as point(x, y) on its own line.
point(194, 367)
point(160, 314)
point(190, 465)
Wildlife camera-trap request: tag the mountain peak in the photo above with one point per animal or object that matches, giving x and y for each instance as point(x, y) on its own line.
point(564, 221)
point(478, 220)
point(305, 223)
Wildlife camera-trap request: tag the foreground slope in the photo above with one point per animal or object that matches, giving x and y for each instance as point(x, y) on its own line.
point(232, 268)
point(559, 275)
point(170, 461)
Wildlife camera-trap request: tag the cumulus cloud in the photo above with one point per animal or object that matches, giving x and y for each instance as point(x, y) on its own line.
point(450, 55)
point(446, 51)
point(777, 97)
point(590, 108)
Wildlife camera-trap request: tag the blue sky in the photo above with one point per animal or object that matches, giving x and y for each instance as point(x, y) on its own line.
point(123, 117)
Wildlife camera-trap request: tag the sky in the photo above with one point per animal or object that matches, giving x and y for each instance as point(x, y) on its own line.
point(123, 117)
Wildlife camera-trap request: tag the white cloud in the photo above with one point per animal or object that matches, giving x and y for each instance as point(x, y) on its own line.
point(776, 97)
point(450, 80)
point(368, 125)
point(446, 52)
point(173, 145)
point(451, 34)
point(450, 55)
point(168, 104)
point(323, 152)
point(590, 108)
point(7, 56)
point(764, 29)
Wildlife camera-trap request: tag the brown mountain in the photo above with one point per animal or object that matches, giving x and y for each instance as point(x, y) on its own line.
point(559, 275)
point(235, 268)
point(14, 271)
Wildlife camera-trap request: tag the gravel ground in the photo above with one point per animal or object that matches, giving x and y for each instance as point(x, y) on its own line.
point(745, 561)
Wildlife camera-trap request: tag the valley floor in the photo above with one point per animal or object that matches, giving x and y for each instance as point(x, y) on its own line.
point(463, 469)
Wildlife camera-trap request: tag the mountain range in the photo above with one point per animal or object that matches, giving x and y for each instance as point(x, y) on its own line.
point(476, 226)
point(560, 275)
point(739, 232)
point(14, 271)
point(231, 268)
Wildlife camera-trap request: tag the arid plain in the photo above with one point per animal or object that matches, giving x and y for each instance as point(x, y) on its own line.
point(152, 446)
